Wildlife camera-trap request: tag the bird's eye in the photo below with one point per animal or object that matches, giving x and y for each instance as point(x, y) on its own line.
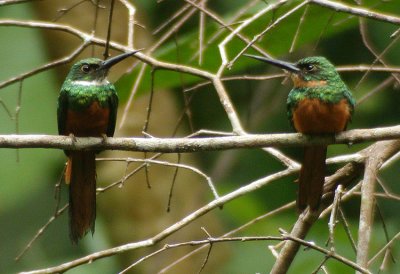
point(85, 68)
point(309, 67)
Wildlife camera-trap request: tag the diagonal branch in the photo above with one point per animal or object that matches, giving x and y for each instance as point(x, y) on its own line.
point(171, 229)
point(363, 12)
point(377, 155)
point(344, 176)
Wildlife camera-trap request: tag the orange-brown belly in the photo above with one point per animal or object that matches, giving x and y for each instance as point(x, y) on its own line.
point(312, 116)
point(92, 121)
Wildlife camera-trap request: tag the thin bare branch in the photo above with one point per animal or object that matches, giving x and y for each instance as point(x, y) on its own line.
point(363, 12)
point(175, 145)
point(326, 252)
point(171, 229)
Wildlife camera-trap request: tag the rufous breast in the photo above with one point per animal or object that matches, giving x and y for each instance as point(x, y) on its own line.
point(91, 121)
point(313, 116)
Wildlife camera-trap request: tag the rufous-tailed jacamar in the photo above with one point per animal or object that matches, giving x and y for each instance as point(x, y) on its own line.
point(87, 106)
point(319, 103)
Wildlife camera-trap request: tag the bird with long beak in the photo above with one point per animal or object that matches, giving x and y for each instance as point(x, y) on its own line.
point(319, 103)
point(87, 107)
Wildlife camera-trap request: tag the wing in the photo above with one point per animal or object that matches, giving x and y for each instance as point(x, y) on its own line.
point(112, 119)
point(291, 103)
point(352, 102)
point(62, 111)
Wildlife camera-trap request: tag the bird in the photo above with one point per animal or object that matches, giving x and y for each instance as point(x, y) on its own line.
point(319, 103)
point(87, 107)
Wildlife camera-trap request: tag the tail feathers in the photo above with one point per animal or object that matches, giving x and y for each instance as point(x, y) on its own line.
point(81, 175)
point(312, 177)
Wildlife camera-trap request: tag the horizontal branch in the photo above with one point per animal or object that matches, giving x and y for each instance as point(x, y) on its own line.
point(174, 145)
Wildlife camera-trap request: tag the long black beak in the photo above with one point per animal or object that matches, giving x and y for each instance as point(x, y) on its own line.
point(116, 59)
point(282, 64)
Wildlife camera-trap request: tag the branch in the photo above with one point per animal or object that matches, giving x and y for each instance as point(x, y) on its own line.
point(328, 253)
point(307, 219)
point(171, 229)
point(177, 145)
point(363, 12)
point(13, 2)
point(208, 241)
point(374, 162)
point(343, 176)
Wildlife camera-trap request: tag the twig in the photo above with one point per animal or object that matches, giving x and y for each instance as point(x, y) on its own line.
point(202, 29)
point(132, 94)
point(203, 265)
point(147, 122)
point(271, 26)
point(328, 253)
point(17, 112)
point(381, 150)
point(13, 2)
point(202, 242)
point(106, 48)
point(296, 35)
point(347, 229)
point(95, 21)
point(383, 249)
point(324, 30)
point(175, 145)
point(172, 18)
point(367, 203)
point(171, 229)
point(333, 218)
point(363, 12)
point(171, 190)
point(41, 231)
point(234, 33)
point(232, 232)
point(58, 62)
point(321, 265)
point(387, 82)
point(385, 230)
point(131, 22)
point(164, 163)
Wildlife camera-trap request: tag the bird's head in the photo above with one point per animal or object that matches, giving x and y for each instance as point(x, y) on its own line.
point(94, 69)
point(307, 72)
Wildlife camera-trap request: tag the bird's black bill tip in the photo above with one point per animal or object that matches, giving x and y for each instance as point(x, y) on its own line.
point(278, 63)
point(116, 59)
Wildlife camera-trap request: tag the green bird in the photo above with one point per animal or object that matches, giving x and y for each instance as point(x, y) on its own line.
point(319, 103)
point(87, 106)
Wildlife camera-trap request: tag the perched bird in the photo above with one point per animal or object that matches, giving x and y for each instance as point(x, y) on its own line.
point(319, 103)
point(87, 106)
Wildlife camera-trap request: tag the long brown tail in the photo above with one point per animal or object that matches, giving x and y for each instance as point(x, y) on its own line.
point(81, 176)
point(312, 177)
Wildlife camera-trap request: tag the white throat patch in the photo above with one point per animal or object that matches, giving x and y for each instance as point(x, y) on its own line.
point(91, 83)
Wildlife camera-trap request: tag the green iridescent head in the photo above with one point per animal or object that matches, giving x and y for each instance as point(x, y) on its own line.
point(310, 69)
point(316, 68)
point(94, 69)
point(87, 70)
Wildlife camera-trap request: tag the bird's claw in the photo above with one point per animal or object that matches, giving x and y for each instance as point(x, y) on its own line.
point(104, 136)
point(72, 136)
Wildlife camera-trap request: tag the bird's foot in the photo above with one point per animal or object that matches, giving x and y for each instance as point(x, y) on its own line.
point(104, 137)
point(147, 135)
point(72, 136)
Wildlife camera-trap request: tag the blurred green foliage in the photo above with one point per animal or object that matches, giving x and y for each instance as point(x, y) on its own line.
point(27, 185)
